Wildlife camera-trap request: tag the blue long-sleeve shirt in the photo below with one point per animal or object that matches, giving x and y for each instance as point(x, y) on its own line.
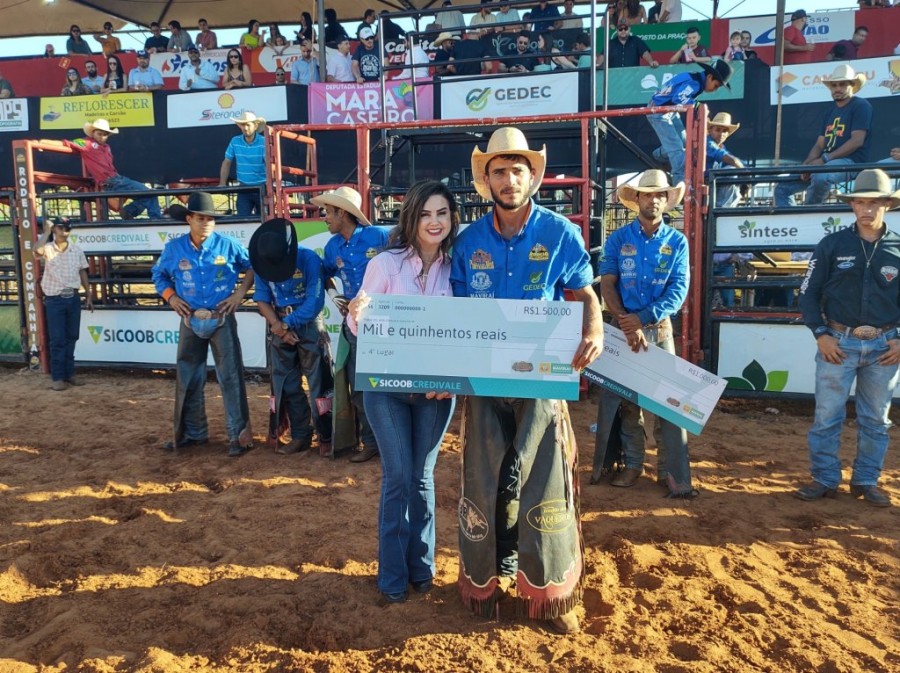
point(682, 89)
point(652, 272)
point(347, 258)
point(304, 292)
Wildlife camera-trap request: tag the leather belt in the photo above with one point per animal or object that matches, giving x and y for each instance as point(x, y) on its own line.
point(67, 293)
point(863, 332)
point(206, 314)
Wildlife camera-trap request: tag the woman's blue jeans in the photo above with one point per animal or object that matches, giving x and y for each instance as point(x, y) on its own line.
point(409, 430)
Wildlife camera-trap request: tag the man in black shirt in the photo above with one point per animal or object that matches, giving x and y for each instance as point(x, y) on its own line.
point(850, 299)
point(626, 50)
point(443, 45)
point(472, 47)
point(524, 58)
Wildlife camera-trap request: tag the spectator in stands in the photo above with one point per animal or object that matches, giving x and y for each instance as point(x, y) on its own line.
point(509, 16)
point(415, 55)
point(796, 50)
point(180, 40)
point(734, 52)
point(670, 12)
point(252, 39)
point(653, 14)
point(334, 31)
point(524, 59)
point(582, 44)
point(847, 50)
point(248, 151)
point(156, 43)
point(483, 21)
point(74, 86)
point(472, 50)
point(108, 42)
point(449, 19)
point(370, 21)
point(843, 139)
point(76, 45)
point(633, 12)
point(92, 80)
point(569, 19)
point(237, 73)
point(746, 39)
point(546, 58)
point(115, 76)
point(443, 54)
point(339, 63)
point(274, 34)
point(392, 32)
point(307, 29)
point(196, 275)
point(49, 51)
point(305, 70)
point(98, 162)
point(626, 50)
point(144, 78)
point(366, 62)
point(206, 39)
point(545, 17)
point(873, 4)
point(198, 75)
point(6, 90)
point(720, 129)
point(280, 45)
point(65, 273)
point(280, 76)
point(691, 51)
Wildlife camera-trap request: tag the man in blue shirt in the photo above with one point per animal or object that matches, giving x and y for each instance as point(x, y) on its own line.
point(683, 89)
point(516, 452)
point(249, 151)
point(92, 80)
point(347, 253)
point(305, 69)
point(545, 17)
point(144, 78)
point(196, 275)
point(644, 279)
point(843, 140)
point(289, 295)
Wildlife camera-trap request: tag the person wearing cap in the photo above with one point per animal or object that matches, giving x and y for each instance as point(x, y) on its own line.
point(290, 294)
point(98, 163)
point(644, 277)
point(520, 453)
point(366, 62)
point(196, 276)
point(64, 274)
point(305, 70)
point(843, 140)
point(198, 74)
point(626, 50)
point(354, 242)
point(850, 300)
point(796, 50)
point(682, 89)
point(248, 151)
point(180, 40)
point(144, 78)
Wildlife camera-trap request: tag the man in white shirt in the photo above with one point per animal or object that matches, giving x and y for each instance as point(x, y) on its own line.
point(483, 21)
point(339, 63)
point(670, 12)
point(414, 55)
point(198, 75)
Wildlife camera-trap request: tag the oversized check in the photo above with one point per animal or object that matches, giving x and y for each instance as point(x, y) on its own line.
point(660, 382)
point(491, 347)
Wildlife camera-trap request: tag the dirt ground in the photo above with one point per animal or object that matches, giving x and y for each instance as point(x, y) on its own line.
point(117, 556)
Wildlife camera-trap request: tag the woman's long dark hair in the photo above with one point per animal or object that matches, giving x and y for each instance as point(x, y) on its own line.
point(405, 234)
point(240, 56)
point(120, 75)
point(307, 29)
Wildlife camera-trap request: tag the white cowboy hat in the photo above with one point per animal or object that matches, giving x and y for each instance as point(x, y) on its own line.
point(345, 198)
point(507, 140)
point(443, 37)
point(98, 125)
point(248, 118)
point(872, 183)
point(650, 182)
point(723, 119)
point(844, 73)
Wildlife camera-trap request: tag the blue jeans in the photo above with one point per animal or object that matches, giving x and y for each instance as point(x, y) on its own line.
point(366, 435)
point(63, 322)
point(248, 203)
point(119, 183)
point(727, 196)
point(875, 385)
point(817, 189)
point(670, 131)
point(409, 430)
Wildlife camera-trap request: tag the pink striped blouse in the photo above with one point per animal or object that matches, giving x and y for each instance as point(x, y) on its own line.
point(397, 272)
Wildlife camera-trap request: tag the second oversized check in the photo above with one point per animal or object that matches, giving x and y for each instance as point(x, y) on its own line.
point(490, 347)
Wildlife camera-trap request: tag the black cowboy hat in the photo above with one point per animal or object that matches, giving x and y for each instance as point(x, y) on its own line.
point(273, 250)
point(198, 202)
point(720, 70)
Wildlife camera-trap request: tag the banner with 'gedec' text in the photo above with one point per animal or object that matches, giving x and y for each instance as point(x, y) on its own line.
point(550, 93)
point(347, 103)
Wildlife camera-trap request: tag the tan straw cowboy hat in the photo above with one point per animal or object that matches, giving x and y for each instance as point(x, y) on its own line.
point(443, 37)
point(249, 118)
point(650, 182)
point(507, 140)
point(345, 198)
point(723, 119)
point(844, 73)
point(98, 125)
point(872, 183)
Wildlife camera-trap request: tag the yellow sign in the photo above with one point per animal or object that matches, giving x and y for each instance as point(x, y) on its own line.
point(119, 109)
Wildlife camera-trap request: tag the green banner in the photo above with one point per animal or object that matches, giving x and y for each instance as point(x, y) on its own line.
point(10, 331)
point(635, 86)
point(662, 37)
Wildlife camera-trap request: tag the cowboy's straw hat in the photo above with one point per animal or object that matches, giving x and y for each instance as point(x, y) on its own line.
point(651, 181)
point(872, 183)
point(98, 125)
point(507, 140)
point(723, 119)
point(844, 73)
point(249, 118)
point(443, 37)
point(345, 198)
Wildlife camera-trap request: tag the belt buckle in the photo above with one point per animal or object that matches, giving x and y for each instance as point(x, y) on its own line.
point(67, 293)
point(864, 332)
point(287, 310)
point(203, 314)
